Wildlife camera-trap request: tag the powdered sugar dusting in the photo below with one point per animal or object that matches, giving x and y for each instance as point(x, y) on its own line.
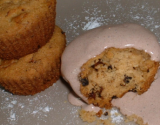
point(42, 108)
point(98, 13)
point(76, 17)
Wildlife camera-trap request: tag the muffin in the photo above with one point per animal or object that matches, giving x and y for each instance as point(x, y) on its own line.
point(107, 62)
point(25, 26)
point(34, 72)
point(115, 72)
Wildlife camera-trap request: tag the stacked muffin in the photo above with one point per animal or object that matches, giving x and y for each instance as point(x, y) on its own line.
point(30, 46)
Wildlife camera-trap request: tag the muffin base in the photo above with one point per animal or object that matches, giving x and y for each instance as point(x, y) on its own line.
point(35, 72)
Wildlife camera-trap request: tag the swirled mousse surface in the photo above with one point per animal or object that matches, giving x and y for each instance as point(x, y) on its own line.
point(145, 106)
point(93, 42)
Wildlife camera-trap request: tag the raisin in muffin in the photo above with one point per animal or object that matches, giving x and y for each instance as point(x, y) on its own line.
point(25, 26)
point(115, 72)
point(35, 72)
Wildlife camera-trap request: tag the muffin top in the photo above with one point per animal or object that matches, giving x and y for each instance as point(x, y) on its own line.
point(42, 58)
point(18, 14)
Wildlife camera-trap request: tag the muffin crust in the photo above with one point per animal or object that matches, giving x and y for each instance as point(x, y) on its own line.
point(35, 72)
point(25, 26)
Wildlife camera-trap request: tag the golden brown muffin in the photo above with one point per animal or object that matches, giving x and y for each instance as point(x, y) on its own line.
point(35, 72)
point(115, 72)
point(25, 26)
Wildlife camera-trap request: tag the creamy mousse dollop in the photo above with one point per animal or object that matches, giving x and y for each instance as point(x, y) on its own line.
point(94, 41)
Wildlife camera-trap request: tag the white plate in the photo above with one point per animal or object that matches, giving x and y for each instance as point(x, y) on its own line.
point(51, 106)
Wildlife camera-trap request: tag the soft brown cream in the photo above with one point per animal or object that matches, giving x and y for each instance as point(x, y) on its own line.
point(146, 106)
point(95, 41)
